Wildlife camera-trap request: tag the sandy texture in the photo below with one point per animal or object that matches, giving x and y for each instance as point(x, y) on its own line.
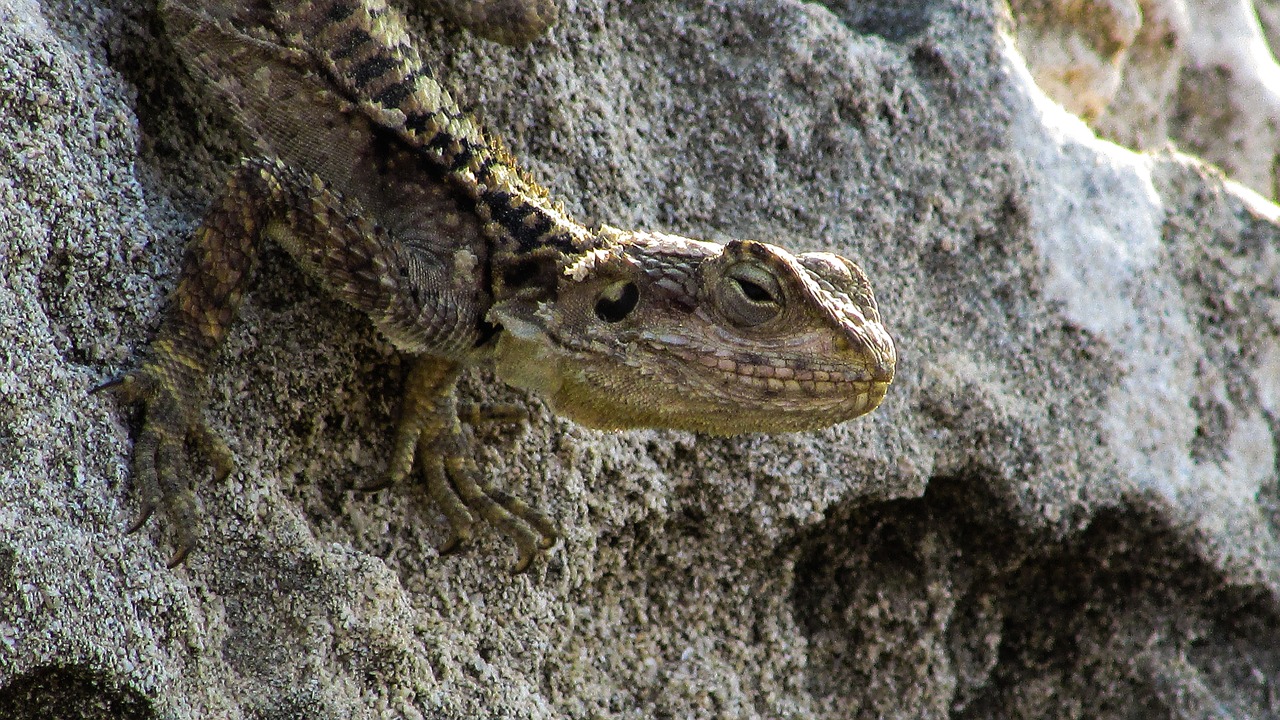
point(1066, 507)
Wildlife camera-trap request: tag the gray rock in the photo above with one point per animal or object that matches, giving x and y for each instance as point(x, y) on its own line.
point(1066, 506)
point(1147, 73)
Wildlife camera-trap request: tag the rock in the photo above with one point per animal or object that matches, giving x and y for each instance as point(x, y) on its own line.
point(1066, 507)
point(1196, 73)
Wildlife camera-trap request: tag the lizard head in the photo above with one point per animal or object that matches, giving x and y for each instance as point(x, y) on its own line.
point(655, 330)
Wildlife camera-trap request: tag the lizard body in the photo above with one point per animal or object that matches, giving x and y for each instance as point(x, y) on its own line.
point(401, 205)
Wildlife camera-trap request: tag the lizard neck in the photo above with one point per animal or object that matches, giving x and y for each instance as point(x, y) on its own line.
point(369, 58)
point(532, 240)
point(532, 269)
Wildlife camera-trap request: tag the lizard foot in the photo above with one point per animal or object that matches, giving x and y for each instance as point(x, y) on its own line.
point(171, 420)
point(431, 432)
point(531, 529)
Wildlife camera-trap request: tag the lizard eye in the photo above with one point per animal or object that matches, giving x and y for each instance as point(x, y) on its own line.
point(749, 295)
point(617, 301)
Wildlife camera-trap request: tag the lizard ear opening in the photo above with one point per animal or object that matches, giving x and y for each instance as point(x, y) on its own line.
point(617, 301)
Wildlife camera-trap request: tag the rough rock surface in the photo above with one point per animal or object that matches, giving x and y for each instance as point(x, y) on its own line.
point(1066, 507)
point(1199, 74)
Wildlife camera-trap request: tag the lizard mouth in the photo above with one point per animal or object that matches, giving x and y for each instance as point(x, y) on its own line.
point(756, 393)
point(792, 376)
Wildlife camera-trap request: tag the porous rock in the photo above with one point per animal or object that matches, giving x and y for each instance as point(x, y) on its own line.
point(1066, 506)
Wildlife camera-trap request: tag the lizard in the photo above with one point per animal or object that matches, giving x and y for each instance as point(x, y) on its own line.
point(401, 205)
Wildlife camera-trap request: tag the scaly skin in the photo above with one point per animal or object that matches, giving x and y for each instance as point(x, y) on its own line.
point(399, 204)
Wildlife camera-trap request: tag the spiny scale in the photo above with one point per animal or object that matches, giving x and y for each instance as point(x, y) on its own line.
point(373, 58)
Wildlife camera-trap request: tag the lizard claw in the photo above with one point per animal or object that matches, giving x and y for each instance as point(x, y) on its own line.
point(431, 431)
point(531, 530)
point(128, 387)
point(108, 385)
point(215, 450)
point(179, 555)
point(171, 417)
point(141, 518)
point(452, 545)
point(523, 562)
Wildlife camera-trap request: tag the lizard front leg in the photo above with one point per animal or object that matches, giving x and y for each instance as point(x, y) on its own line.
point(431, 429)
point(404, 294)
point(172, 383)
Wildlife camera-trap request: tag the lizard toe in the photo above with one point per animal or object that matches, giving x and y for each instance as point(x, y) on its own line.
point(500, 414)
point(525, 560)
point(180, 555)
point(456, 542)
point(215, 450)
